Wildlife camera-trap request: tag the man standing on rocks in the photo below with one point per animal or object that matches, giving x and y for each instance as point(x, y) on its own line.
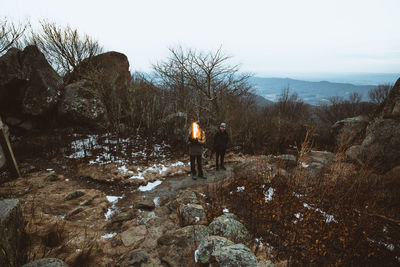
point(196, 141)
point(220, 144)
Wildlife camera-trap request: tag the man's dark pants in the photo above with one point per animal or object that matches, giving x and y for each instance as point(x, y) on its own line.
point(219, 155)
point(193, 160)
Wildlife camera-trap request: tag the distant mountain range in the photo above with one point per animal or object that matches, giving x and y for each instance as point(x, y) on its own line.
point(314, 93)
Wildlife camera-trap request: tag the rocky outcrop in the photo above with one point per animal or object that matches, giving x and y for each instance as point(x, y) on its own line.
point(29, 86)
point(93, 88)
point(350, 130)
point(12, 234)
point(381, 145)
point(138, 258)
point(47, 262)
point(227, 225)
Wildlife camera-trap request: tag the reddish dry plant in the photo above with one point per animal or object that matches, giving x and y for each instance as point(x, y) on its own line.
point(351, 219)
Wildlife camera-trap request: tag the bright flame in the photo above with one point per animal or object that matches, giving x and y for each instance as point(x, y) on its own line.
point(195, 131)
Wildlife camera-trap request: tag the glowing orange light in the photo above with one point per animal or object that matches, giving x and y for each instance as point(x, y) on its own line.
point(195, 131)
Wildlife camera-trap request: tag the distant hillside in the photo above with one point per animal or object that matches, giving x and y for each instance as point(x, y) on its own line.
point(311, 92)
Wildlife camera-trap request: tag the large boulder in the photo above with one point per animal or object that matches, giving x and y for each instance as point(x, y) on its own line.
point(12, 234)
point(94, 89)
point(350, 130)
point(382, 143)
point(391, 105)
point(209, 245)
point(228, 225)
point(192, 214)
point(29, 86)
point(234, 255)
point(81, 105)
point(46, 262)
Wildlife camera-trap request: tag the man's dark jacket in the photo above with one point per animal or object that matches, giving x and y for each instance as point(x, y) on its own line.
point(220, 141)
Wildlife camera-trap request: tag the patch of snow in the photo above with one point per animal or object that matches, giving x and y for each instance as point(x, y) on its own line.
point(298, 216)
point(113, 200)
point(328, 218)
point(304, 165)
point(149, 186)
point(78, 250)
point(225, 210)
point(156, 201)
point(67, 180)
point(240, 188)
point(178, 163)
point(297, 195)
point(50, 170)
point(259, 241)
point(196, 255)
point(197, 219)
point(110, 235)
point(269, 194)
point(202, 194)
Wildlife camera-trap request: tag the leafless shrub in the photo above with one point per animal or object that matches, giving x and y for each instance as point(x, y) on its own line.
point(64, 47)
point(10, 34)
point(379, 93)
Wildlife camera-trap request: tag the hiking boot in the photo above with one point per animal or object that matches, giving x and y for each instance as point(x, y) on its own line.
point(194, 176)
point(203, 177)
point(223, 167)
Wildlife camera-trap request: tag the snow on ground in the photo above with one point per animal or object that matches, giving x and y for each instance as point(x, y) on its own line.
point(110, 235)
point(240, 189)
point(149, 186)
point(107, 148)
point(113, 200)
point(328, 218)
point(268, 195)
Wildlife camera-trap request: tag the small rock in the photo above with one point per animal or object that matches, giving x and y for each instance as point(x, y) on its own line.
point(136, 257)
point(145, 204)
point(74, 195)
point(192, 214)
point(134, 236)
point(227, 226)
point(40, 185)
point(52, 177)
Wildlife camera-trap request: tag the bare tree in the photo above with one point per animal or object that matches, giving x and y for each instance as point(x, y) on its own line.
point(379, 93)
point(64, 47)
point(10, 34)
point(203, 79)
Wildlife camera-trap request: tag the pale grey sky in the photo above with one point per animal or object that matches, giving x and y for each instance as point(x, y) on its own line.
point(265, 36)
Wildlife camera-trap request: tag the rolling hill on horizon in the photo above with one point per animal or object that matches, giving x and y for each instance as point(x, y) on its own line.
point(315, 93)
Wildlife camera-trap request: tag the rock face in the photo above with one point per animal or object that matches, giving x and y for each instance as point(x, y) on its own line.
point(29, 86)
point(47, 262)
point(92, 88)
point(227, 225)
point(12, 234)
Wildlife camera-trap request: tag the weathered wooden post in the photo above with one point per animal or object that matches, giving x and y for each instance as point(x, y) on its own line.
point(8, 152)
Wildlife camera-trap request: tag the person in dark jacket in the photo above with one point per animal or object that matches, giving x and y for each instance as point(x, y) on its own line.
point(196, 141)
point(220, 143)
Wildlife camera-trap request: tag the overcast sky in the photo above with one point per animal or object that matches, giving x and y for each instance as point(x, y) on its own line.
point(264, 36)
